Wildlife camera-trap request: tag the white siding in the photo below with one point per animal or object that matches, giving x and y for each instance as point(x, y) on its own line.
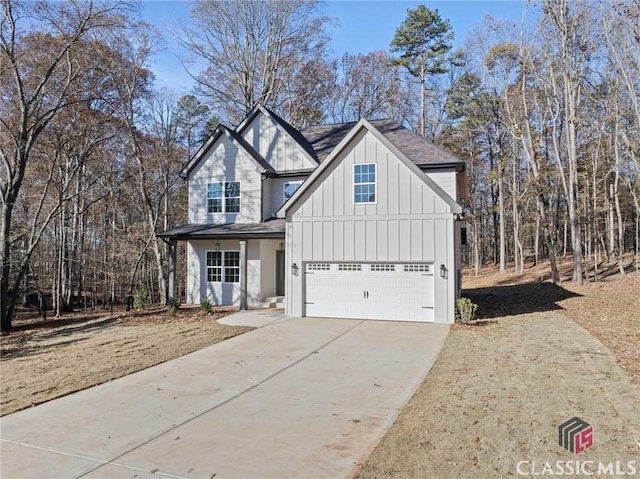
point(275, 145)
point(408, 223)
point(274, 193)
point(225, 162)
point(222, 293)
point(268, 250)
point(445, 179)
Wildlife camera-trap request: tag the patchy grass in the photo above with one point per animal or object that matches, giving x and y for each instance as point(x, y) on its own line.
point(42, 360)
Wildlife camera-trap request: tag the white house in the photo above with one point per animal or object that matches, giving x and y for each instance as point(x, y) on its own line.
point(355, 220)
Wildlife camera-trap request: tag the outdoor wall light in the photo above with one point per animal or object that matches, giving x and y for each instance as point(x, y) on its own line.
point(281, 246)
point(443, 271)
point(217, 245)
point(294, 269)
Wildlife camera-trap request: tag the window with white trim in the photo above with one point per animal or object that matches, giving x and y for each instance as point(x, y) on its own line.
point(364, 183)
point(223, 197)
point(214, 266)
point(289, 188)
point(223, 265)
point(232, 266)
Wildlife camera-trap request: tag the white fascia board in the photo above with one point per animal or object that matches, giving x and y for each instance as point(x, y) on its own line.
point(282, 212)
point(202, 151)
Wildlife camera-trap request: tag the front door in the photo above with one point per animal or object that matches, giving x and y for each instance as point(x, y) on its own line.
point(280, 273)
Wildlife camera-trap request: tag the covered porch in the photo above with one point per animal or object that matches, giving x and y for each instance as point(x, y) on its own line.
point(241, 264)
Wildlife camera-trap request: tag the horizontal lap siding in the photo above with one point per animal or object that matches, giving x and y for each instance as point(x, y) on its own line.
point(225, 162)
point(274, 193)
point(446, 180)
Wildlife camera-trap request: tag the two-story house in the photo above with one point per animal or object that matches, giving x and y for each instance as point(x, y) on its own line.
point(355, 220)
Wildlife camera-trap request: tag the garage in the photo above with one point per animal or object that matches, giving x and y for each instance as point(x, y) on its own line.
point(383, 291)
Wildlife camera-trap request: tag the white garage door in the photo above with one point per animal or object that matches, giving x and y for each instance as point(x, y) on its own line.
point(396, 292)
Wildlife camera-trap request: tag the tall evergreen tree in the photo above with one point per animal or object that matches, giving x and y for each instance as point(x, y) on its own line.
point(423, 42)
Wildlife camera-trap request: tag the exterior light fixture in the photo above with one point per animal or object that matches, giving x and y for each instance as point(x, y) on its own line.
point(217, 245)
point(443, 271)
point(295, 269)
point(281, 246)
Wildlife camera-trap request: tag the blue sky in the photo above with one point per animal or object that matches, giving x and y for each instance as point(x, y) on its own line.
point(362, 27)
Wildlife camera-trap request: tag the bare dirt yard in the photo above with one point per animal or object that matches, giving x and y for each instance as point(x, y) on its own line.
point(540, 355)
point(41, 360)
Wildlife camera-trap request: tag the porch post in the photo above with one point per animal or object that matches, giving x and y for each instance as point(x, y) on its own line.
point(243, 275)
point(171, 293)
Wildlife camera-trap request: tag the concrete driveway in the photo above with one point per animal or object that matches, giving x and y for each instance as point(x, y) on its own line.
point(297, 398)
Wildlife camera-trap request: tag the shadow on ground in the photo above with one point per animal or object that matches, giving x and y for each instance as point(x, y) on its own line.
point(535, 297)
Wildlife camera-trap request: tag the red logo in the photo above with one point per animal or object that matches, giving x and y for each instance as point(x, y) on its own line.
point(575, 435)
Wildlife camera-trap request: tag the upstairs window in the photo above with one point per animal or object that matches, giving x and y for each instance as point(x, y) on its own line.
point(290, 188)
point(364, 183)
point(223, 197)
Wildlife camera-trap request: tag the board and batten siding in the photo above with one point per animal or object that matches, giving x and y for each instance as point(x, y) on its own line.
point(226, 162)
point(408, 223)
point(275, 145)
point(445, 179)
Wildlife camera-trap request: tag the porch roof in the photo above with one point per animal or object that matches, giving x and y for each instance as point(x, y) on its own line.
point(273, 228)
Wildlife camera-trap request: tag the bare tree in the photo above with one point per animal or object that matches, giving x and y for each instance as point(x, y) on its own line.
point(368, 86)
point(569, 24)
point(251, 49)
point(39, 75)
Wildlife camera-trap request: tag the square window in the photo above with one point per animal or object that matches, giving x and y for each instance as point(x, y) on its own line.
point(214, 205)
point(233, 205)
point(214, 190)
point(232, 189)
point(223, 197)
point(290, 188)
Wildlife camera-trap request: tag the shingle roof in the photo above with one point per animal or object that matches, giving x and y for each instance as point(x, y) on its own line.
point(272, 228)
point(324, 138)
point(295, 134)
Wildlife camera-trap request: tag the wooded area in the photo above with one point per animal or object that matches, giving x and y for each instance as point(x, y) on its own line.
point(546, 113)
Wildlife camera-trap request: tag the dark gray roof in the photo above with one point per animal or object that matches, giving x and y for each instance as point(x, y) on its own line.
point(273, 228)
point(422, 152)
